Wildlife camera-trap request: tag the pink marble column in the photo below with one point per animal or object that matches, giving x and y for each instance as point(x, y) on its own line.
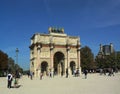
point(51, 59)
point(78, 58)
point(68, 59)
point(38, 60)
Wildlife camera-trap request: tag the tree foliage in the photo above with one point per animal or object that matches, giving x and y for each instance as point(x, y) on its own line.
point(3, 60)
point(108, 61)
point(7, 63)
point(13, 67)
point(87, 58)
point(118, 61)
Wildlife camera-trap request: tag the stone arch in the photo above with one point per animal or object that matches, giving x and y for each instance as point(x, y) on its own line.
point(44, 67)
point(59, 63)
point(72, 66)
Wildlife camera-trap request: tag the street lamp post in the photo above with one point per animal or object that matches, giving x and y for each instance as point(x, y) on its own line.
point(17, 61)
point(17, 55)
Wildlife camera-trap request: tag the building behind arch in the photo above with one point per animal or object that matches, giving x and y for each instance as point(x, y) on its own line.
point(54, 52)
point(105, 50)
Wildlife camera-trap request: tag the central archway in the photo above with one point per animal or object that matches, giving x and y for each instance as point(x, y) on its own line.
point(59, 66)
point(44, 67)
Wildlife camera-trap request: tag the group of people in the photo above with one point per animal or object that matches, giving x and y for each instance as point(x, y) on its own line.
point(104, 71)
point(51, 73)
point(75, 73)
point(11, 78)
point(30, 74)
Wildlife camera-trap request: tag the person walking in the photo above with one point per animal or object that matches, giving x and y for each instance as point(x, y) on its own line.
point(41, 75)
point(15, 82)
point(31, 75)
point(50, 73)
point(74, 72)
point(85, 73)
point(67, 73)
point(9, 80)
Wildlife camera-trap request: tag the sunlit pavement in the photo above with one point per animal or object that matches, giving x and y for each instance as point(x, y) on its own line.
point(94, 84)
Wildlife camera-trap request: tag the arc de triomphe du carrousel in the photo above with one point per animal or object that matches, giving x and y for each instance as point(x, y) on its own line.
point(54, 52)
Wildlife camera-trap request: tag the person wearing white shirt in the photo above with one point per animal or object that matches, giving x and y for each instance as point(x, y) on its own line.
point(9, 79)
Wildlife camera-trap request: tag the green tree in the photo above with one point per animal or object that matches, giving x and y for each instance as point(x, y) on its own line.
point(3, 60)
point(87, 58)
point(117, 60)
point(12, 66)
point(108, 61)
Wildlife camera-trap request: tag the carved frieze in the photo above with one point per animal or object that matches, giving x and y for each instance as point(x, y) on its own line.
point(59, 40)
point(73, 55)
point(45, 54)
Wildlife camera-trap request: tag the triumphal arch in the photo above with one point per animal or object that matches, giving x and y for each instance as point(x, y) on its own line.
point(54, 52)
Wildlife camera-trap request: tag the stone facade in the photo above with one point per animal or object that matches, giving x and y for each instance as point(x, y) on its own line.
point(54, 52)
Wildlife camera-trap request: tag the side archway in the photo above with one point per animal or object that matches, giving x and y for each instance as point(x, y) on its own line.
point(72, 66)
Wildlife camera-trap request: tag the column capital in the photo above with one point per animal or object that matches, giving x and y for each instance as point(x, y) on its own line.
point(68, 47)
point(51, 46)
point(39, 46)
point(78, 47)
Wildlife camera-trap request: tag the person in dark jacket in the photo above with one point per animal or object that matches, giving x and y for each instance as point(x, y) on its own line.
point(67, 73)
point(85, 73)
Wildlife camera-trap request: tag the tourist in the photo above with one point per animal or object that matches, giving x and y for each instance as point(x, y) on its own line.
point(28, 73)
point(77, 73)
point(15, 82)
point(31, 75)
point(104, 71)
point(9, 79)
point(50, 73)
point(41, 75)
point(74, 72)
point(101, 71)
point(85, 73)
point(110, 72)
point(67, 73)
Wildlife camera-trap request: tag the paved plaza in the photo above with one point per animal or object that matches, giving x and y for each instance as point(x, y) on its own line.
point(94, 84)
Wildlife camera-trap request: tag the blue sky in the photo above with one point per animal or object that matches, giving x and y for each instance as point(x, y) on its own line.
point(95, 21)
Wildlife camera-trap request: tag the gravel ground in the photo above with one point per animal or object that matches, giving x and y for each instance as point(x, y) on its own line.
point(94, 84)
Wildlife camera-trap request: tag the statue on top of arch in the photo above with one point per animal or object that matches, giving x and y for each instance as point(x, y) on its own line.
point(56, 30)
